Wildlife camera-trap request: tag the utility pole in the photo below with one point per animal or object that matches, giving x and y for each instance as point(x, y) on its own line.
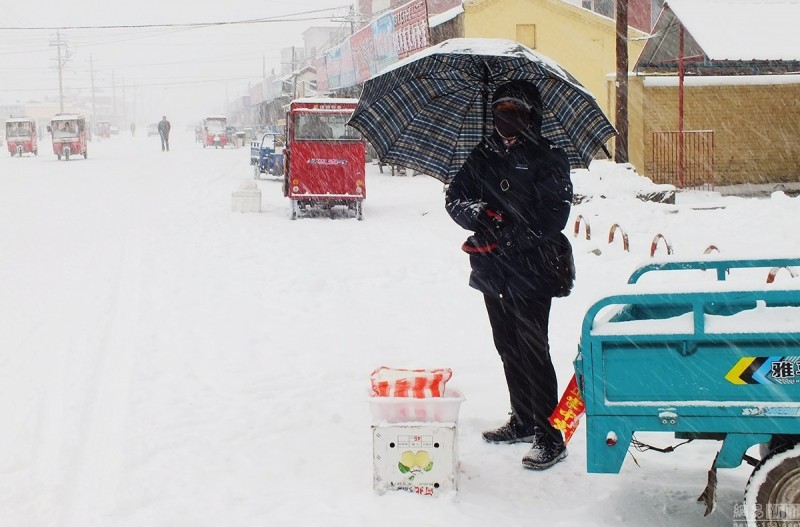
point(113, 97)
point(60, 74)
point(124, 102)
point(135, 87)
point(621, 148)
point(294, 74)
point(91, 74)
point(61, 62)
point(351, 15)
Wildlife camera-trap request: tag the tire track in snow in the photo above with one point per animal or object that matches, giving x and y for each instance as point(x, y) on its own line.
point(95, 470)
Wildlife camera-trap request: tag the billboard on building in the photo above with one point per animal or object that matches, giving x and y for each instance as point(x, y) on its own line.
point(333, 65)
point(348, 74)
point(363, 54)
point(383, 40)
point(389, 37)
point(411, 32)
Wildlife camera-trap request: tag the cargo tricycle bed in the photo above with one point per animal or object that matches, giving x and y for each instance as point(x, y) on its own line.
point(716, 360)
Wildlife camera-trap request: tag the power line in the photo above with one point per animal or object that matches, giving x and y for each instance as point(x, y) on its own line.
point(136, 85)
point(282, 18)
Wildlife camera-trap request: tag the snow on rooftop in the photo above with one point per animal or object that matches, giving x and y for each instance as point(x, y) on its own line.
point(441, 18)
point(722, 80)
point(742, 30)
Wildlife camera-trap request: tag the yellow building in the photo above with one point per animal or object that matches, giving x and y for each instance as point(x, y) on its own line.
point(581, 41)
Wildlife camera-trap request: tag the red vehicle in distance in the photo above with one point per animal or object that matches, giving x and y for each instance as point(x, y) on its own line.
point(324, 159)
point(215, 131)
point(103, 129)
point(21, 136)
point(69, 135)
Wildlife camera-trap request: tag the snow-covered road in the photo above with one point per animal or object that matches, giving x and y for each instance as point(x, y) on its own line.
point(165, 361)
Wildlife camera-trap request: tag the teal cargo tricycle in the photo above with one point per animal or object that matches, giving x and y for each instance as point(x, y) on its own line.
point(718, 360)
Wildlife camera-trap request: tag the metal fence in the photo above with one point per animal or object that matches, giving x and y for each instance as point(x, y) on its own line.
point(697, 170)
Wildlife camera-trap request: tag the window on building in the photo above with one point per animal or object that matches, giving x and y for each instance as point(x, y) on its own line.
point(603, 7)
point(526, 35)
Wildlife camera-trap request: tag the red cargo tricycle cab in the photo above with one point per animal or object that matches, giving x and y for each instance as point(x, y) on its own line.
point(324, 158)
point(69, 135)
point(103, 129)
point(21, 136)
point(215, 131)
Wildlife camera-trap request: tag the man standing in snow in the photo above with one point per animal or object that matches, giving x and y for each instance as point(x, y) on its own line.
point(515, 193)
point(163, 131)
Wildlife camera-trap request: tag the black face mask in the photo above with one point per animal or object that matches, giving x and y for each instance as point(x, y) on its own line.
point(511, 122)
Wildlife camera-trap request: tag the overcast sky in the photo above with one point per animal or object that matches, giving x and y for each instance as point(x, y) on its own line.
point(183, 72)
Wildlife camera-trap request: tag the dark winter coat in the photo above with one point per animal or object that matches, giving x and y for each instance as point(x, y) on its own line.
point(163, 128)
point(528, 183)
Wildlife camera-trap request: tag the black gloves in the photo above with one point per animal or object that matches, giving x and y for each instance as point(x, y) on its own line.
point(491, 220)
point(480, 243)
point(486, 240)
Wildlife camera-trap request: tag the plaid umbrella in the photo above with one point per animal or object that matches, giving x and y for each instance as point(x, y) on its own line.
point(427, 112)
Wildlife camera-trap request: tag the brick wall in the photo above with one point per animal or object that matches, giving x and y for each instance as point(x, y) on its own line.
point(756, 127)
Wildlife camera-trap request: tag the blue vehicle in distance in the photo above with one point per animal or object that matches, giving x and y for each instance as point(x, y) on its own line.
point(266, 156)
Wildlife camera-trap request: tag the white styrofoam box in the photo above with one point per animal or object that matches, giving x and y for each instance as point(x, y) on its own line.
point(422, 459)
point(247, 198)
point(409, 409)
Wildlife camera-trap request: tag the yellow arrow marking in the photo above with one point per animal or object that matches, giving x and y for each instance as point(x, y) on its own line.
point(734, 375)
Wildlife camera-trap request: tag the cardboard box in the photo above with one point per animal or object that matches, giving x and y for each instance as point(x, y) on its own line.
point(422, 459)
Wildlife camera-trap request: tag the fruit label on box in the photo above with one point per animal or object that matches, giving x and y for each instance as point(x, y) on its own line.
point(422, 460)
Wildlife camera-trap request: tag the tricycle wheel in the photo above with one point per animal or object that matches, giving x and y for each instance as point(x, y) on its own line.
point(773, 490)
point(359, 211)
point(778, 442)
point(256, 172)
point(294, 209)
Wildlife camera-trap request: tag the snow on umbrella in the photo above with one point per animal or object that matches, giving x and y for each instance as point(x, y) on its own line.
point(428, 111)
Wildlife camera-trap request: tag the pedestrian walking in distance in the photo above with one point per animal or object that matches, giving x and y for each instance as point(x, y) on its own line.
point(163, 131)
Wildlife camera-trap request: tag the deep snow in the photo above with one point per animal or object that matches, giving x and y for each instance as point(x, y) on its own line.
point(167, 362)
